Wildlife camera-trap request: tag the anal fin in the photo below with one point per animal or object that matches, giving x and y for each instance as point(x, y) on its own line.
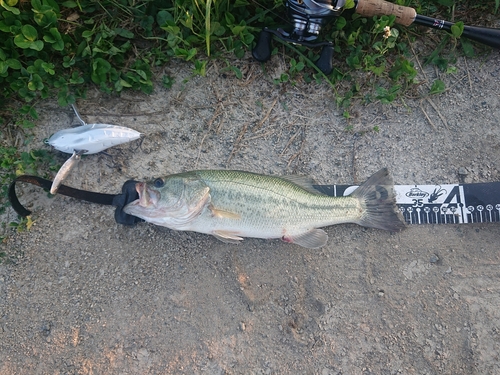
point(313, 239)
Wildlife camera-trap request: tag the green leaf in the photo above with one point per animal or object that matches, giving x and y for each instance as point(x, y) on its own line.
point(21, 41)
point(76, 81)
point(87, 33)
point(55, 39)
point(349, 4)
point(25, 109)
point(200, 67)
point(45, 16)
point(237, 72)
point(172, 26)
point(440, 62)
point(241, 3)
point(378, 70)
point(69, 4)
point(217, 29)
point(125, 83)
point(403, 68)
point(100, 69)
point(437, 87)
point(33, 113)
point(37, 45)
point(457, 29)
point(340, 23)
point(9, 5)
point(230, 20)
point(142, 74)
point(468, 48)
point(124, 33)
point(167, 81)
point(163, 16)
point(4, 27)
point(29, 33)
point(36, 4)
point(27, 124)
point(68, 61)
point(14, 64)
point(446, 3)
point(36, 83)
point(49, 68)
point(184, 53)
point(237, 30)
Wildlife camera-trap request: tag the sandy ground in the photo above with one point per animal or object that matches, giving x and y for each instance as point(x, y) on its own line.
point(80, 294)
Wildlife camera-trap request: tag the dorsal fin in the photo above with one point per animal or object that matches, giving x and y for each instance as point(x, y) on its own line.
point(305, 182)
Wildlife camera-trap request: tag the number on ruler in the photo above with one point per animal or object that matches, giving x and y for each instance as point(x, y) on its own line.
point(418, 202)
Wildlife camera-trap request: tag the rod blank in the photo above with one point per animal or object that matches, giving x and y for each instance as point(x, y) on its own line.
point(407, 16)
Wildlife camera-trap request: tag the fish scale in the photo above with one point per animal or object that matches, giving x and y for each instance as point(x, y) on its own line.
point(275, 203)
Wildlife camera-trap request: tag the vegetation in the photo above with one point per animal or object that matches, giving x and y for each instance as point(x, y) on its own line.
point(52, 48)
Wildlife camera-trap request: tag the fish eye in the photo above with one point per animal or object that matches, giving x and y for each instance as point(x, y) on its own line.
point(158, 182)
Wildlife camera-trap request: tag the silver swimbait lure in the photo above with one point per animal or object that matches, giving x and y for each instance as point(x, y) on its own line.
point(92, 138)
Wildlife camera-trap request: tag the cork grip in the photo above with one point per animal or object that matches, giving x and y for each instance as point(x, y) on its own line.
point(368, 8)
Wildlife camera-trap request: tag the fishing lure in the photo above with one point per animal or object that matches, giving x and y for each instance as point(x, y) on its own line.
point(92, 138)
point(85, 140)
point(65, 170)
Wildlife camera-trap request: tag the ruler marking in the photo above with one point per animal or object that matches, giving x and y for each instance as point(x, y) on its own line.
point(439, 204)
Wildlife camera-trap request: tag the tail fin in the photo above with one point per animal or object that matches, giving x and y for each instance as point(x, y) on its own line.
point(379, 202)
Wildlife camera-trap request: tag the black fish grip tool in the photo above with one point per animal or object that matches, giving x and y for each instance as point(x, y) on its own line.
point(119, 201)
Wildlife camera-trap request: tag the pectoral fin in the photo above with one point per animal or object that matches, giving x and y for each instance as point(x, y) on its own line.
point(221, 214)
point(226, 236)
point(313, 239)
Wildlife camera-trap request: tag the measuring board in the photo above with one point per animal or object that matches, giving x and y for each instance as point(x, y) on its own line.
point(439, 204)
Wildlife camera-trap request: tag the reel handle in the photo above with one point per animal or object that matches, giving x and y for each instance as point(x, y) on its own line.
point(325, 61)
point(262, 50)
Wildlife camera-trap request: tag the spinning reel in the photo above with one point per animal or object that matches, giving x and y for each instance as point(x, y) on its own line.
point(309, 16)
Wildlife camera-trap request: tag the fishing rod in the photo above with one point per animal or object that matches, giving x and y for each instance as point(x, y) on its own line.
point(309, 16)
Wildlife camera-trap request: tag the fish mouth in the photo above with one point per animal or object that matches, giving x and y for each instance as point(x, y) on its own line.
point(147, 196)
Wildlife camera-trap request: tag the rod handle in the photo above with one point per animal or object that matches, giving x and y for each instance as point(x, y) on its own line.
point(369, 8)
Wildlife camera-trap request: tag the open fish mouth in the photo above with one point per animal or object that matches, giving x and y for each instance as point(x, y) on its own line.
point(147, 196)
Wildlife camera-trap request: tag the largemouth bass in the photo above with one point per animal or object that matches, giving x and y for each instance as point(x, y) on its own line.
point(231, 205)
